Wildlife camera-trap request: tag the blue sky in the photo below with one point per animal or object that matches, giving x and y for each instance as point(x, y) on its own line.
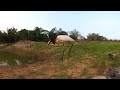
point(106, 23)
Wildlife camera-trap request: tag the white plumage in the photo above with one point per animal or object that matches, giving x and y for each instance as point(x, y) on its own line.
point(65, 38)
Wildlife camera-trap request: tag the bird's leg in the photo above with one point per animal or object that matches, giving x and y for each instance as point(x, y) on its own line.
point(70, 49)
point(63, 51)
point(49, 42)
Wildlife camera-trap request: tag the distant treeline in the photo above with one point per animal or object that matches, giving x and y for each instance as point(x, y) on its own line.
point(39, 34)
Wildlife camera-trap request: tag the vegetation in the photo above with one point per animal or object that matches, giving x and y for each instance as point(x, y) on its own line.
point(41, 35)
point(27, 54)
point(88, 59)
point(38, 34)
point(96, 37)
point(74, 34)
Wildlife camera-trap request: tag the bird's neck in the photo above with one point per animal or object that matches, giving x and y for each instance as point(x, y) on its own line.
point(54, 40)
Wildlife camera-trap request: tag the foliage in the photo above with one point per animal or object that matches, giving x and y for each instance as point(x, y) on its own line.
point(61, 32)
point(12, 35)
point(75, 34)
point(41, 35)
point(94, 36)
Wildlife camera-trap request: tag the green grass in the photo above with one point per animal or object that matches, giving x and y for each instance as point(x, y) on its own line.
point(94, 51)
point(84, 50)
point(11, 57)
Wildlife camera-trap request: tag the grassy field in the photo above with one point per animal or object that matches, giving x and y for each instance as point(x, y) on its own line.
point(37, 60)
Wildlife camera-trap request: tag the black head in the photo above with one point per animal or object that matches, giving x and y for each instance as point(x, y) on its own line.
point(52, 39)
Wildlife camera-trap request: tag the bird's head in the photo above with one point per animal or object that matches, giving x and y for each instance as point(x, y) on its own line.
point(53, 39)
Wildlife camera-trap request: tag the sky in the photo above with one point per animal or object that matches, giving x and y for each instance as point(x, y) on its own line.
point(106, 23)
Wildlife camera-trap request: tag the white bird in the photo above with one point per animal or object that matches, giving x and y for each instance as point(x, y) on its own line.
point(64, 39)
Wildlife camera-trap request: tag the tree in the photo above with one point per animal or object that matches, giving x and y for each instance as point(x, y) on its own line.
point(81, 38)
point(32, 35)
point(74, 34)
point(23, 34)
point(61, 32)
point(1, 39)
point(41, 34)
point(5, 38)
point(95, 36)
point(12, 35)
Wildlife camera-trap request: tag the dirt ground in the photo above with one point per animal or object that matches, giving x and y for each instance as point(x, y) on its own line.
point(48, 70)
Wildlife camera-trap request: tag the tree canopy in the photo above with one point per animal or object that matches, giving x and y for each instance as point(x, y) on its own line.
point(41, 35)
